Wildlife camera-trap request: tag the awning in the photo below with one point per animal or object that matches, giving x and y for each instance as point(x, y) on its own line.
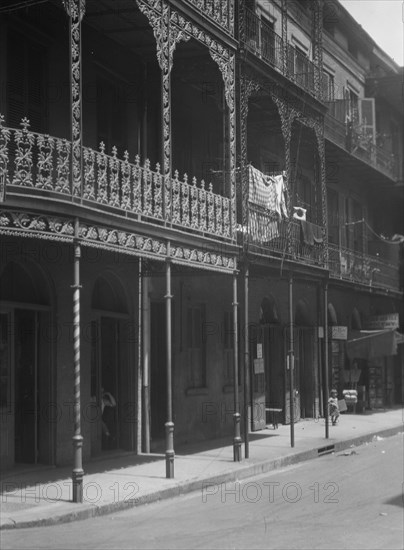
point(368, 344)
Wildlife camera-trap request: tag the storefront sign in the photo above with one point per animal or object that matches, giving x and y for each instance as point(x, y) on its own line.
point(383, 322)
point(258, 366)
point(334, 333)
point(339, 333)
point(259, 351)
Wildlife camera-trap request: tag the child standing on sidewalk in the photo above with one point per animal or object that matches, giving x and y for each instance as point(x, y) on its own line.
point(333, 407)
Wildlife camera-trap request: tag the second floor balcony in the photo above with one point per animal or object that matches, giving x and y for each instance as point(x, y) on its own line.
point(365, 269)
point(283, 238)
point(303, 244)
point(38, 166)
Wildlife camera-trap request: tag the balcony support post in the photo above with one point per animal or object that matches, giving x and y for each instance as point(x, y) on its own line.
point(236, 415)
point(325, 371)
point(78, 473)
point(317, 34)
point(284, 8)
point(76, 10)
point(169, 426)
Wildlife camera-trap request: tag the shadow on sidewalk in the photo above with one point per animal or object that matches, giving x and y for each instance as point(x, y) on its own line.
point(28, 475)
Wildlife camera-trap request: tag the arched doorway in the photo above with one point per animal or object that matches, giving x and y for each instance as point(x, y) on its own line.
point(305, 360)
point(26, 383)
point(110, 366)
point(266, 349)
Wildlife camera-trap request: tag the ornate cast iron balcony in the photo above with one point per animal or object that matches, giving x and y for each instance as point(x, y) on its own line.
point(361, 268)
point(284, 239)
point(33, 163)
point(352, 136)
point(265, 233)
point(220, 11)
point(263, 41)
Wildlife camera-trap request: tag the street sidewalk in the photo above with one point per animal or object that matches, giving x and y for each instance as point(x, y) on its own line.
point(42, 495)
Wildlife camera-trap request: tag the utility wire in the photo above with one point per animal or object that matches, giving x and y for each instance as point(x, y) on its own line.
point(399, 240)
point(21, 5)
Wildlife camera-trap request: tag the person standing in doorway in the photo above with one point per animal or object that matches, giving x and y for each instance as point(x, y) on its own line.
point(333, 408)
point(107, 400)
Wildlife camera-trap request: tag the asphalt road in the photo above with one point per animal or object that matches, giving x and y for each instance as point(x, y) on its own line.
point(352, 499)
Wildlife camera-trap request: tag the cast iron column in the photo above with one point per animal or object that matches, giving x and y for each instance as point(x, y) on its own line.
point(236, 415)
point(326, 360)
point(78, 473)
point(291, 364)
point(246, 366)
point(169, 424)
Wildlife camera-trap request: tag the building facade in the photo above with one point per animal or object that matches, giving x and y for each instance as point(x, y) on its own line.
point(200, 204)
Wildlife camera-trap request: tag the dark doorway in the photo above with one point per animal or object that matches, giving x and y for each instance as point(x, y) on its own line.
point(32, 389)
point(110, 379)
point(158, 389)
point(26, 386)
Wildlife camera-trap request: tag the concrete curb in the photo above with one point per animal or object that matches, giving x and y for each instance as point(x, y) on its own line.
point(87, 511)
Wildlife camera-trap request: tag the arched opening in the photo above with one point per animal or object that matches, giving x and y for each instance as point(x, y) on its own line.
point(266, 351)
point(110, 372)
point(303, 317)
point(25, 365)
point(356, 321)
point(269, 311)
point(304, 349)
point(198, 135)
point(305, 173)
point(332, 315)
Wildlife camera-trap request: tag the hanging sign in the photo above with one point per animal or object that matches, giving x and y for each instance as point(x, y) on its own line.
point(335, 333)
point(258, 366)
point(339, 333)
point(259, 351)
point(383, 322)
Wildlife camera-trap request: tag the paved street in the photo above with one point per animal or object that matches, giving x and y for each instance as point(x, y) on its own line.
point(353, 499)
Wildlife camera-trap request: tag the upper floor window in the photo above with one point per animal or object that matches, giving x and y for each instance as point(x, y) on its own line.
point(26, 81)
point(328, 86)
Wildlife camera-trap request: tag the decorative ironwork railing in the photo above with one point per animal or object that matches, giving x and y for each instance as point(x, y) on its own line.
point(262, 40)
point(220, 11)
point(42, 163)
point(265, 234)
point(362, 268)
point(281, 238)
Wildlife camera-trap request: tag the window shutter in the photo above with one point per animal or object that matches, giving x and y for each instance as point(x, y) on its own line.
point(367, 118)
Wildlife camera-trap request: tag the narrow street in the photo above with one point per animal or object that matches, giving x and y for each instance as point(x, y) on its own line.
point(350, 500)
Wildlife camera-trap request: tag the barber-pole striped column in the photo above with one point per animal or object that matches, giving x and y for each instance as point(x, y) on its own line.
point(78, 473)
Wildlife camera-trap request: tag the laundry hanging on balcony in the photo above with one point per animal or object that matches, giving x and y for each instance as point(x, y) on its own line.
point(311, 234)
point(267, 204)
point(267, 191)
